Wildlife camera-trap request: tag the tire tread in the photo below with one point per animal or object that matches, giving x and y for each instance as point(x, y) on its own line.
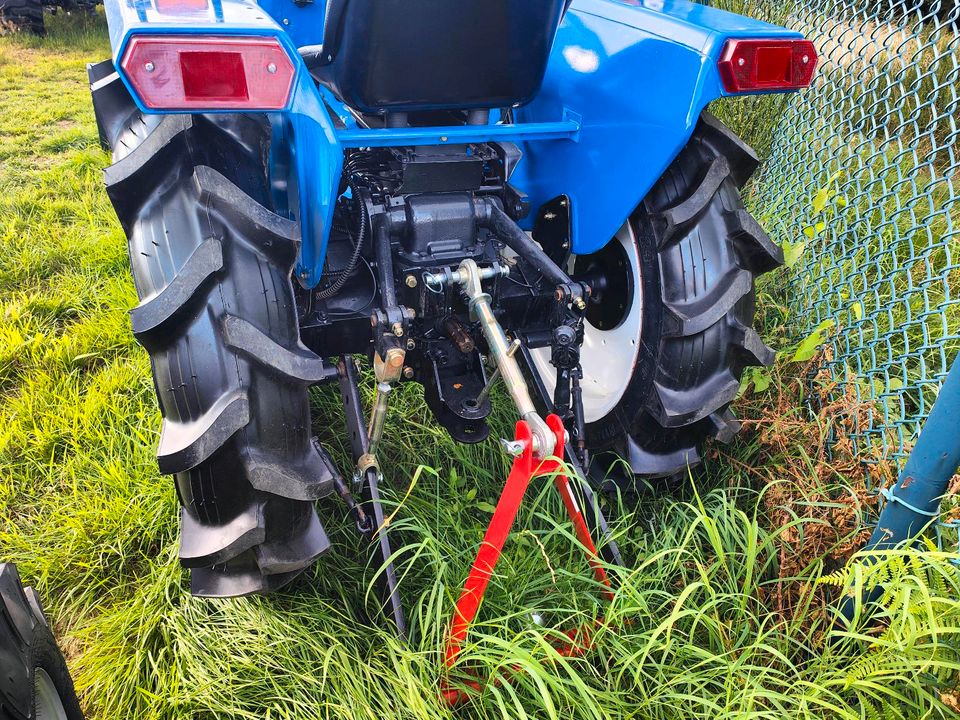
point(708, 250)
point(23, 15)
point(212, 265)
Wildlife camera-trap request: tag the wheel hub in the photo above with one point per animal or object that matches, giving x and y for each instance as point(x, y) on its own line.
point(609, 274)
point(612, 327)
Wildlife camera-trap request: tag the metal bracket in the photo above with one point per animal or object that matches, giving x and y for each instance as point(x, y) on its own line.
point(469, 276)
point(369, 492)
point(525, 467)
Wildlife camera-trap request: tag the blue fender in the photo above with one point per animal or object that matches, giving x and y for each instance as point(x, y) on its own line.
point(638, 74)
point(312, 156)
point(625, 85)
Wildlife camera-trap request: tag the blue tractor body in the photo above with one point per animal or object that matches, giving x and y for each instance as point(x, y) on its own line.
point(409, 181)
point(625, 84)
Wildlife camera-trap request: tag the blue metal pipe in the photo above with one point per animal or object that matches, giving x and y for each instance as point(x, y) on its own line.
point(913, 503)
point(566, 129)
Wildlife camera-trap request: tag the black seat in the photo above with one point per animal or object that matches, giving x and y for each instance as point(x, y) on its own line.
point(415, 55)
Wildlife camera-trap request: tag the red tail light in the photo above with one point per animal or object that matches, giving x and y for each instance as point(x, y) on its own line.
point(172, 72)
point(772, 64)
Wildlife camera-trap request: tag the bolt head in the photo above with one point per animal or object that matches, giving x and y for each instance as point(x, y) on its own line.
point(272, 68)
point(411, 281)
point(408, 373)
point(149, 66)
point(411, 344)
point(580, 303)
point(397, 329)
point(741, 62)
point(805, 59)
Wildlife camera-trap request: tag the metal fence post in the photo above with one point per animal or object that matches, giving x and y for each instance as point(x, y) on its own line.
point(913, 502)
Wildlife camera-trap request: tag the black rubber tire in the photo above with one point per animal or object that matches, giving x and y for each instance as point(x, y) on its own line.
point(700, 251)
point(212, 265)
point(27, 644)
point(23, 16)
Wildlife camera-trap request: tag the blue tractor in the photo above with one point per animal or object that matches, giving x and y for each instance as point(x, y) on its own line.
point(464, 192)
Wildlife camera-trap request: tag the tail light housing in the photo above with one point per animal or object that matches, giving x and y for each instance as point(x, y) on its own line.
point(757, 64)
point(196, 72)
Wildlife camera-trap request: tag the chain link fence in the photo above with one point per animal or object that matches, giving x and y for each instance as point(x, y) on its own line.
point(861, 187)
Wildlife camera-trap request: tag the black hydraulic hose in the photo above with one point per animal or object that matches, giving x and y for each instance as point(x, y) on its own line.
point(503, 226)
point(343, 275)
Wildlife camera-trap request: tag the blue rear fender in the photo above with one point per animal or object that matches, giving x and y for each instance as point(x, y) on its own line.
point(308, 155)
point(638, 74)
point(625, 85)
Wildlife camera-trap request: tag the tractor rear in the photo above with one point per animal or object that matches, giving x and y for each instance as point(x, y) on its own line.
point(462, 193)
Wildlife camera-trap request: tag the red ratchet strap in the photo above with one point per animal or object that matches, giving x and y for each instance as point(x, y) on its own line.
point(525, 468)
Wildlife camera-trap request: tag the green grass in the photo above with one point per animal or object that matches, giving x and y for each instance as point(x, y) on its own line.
point(724, 611)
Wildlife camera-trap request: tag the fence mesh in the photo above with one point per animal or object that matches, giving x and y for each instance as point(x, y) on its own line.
point(861, 187)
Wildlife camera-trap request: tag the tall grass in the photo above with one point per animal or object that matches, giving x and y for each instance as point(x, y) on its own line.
point(700, 627)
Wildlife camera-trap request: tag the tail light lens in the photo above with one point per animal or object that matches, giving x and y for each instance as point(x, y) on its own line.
point(773, 64)
point(172, 72)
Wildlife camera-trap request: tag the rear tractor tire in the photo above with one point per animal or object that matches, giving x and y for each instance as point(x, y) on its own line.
point(666, 342)
point(212, 265)
point(22, 15)
point(34, 681)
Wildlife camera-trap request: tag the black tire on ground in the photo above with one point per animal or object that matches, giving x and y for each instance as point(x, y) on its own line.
point(212, 265)
point(699, 252)
point(34, 681)
point(22, 15)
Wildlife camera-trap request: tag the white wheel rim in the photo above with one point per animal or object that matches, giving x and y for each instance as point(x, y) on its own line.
point(608, 357)
point(49, 706)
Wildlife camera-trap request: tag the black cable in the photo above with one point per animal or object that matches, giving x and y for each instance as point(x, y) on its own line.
point(342, 275)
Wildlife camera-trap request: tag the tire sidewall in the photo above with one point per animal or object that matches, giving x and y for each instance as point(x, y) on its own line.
point(602, 433)
point(45, 654)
